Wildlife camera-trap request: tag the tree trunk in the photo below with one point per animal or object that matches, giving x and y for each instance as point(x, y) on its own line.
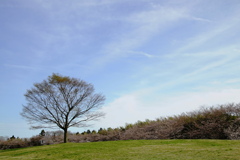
point(65, 139)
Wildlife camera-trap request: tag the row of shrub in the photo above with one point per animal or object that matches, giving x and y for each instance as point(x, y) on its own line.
point(12, 143)
point(220, 122)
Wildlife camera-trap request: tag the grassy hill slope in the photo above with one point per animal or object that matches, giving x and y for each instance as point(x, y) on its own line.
point(131, 150)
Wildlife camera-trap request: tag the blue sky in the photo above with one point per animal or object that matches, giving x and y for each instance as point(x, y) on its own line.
point(150, 58)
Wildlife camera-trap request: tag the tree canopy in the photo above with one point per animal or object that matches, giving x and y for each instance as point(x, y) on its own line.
point(63, 102)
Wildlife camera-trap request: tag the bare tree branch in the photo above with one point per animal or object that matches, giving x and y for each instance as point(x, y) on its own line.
point(63, 102)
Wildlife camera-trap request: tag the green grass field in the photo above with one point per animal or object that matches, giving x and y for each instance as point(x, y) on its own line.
point(132, 150)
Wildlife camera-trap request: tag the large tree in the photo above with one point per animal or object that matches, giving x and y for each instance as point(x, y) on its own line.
point(62, 102)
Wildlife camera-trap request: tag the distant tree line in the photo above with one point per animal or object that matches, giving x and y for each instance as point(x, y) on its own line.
point(13, 142)
point(219, 122)
point(215, 122)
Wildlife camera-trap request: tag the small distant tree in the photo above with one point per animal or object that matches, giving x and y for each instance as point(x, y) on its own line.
point(42, 133)
point(88, 131)
point(12, 138)
point(62, 102)
point(84, 132)
point(100, 130)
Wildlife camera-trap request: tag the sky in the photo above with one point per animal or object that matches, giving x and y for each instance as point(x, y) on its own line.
point(150, 58)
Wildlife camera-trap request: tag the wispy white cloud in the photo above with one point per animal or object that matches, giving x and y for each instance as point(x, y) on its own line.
point(142, 53)
point(146, 24)
point(198, 18)
point(200, 71)
point(24, 67)
point(219, 30)
point(142, 27)
point(234, 80)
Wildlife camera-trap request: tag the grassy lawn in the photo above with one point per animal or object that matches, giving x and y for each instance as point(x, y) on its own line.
point(132, 150)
